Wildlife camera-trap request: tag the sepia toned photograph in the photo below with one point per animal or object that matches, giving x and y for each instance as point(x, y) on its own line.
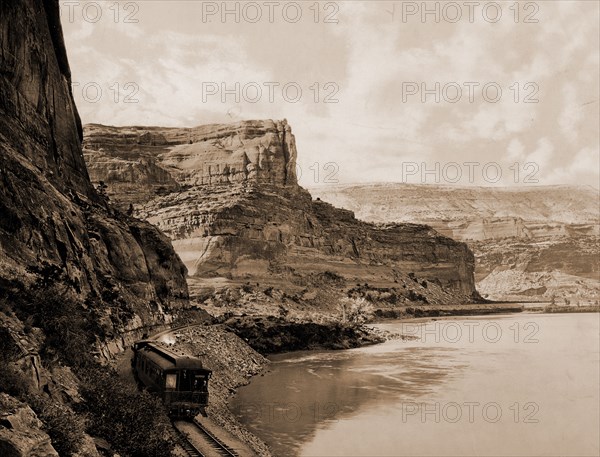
point(306, 228)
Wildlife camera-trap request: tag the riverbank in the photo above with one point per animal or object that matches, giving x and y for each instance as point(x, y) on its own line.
point(272, 335)
point(409, 312)
point(234, 347)
point(554, 309)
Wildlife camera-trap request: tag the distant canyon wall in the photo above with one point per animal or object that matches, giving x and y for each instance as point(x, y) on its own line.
point(530, 243)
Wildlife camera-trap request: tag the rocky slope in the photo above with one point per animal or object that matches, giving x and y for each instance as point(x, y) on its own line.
point(233, 363)
point(21, 432)
point(51, 213)
point(228, 197)
point(56, 231)
point(530, 243)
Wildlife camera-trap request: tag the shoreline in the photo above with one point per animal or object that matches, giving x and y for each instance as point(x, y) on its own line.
point(416, 311)
point(252, 348)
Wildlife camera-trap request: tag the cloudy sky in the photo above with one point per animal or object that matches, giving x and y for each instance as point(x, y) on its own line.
point(488, 94)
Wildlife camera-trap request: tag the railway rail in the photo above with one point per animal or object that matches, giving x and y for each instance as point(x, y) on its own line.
point(214, 445)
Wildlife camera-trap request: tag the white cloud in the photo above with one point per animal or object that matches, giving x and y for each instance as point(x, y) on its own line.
point(572, 113)
point(170, 53)
point(515, 150)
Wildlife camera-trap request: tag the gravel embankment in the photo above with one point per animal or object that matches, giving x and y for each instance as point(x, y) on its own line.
point(233, 363)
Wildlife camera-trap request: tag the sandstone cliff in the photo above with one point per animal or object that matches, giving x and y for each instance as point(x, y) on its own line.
point(228, 197)
point(50, 210)
point(72, 269)
point(531, 243)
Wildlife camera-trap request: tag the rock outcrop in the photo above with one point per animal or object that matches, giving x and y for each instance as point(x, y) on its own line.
point(74, 272)
point(50, 212)
point(533, 243)
point(21, 432)
point(228, 197)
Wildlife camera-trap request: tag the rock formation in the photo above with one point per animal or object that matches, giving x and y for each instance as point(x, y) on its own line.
point(21, 432)
point(57, 230)
point(51, 212)
point(531, 243)
point(228, 197)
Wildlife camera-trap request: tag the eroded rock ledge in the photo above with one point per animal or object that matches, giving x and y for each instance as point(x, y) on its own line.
point(228, 197)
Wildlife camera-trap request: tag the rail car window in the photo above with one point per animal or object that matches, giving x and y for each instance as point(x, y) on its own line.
point(171, 381)
point(200, 383)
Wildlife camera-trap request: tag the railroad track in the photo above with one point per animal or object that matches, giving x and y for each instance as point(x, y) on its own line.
point(182, 439)
point(217, 447)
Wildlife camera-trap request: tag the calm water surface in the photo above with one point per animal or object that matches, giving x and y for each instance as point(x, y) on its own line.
point(519, 385)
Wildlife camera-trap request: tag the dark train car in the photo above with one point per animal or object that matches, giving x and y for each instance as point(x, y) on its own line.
point(179, 380)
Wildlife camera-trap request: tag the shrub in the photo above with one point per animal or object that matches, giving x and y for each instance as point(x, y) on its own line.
point(61, 316)
point(13, 381)
point(283, 311)
point(135, 423)
point(356, 310)
point(65, 428)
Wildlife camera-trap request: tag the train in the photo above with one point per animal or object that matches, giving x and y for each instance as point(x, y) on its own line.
point(181, 381)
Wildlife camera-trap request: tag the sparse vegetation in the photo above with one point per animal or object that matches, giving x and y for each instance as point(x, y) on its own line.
point(283, 311)
point(355, 310)
point(65, 428)
point(102, 188)
point(268, 292)
point(135, 423)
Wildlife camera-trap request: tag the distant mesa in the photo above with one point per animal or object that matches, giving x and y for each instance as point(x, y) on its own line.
point(228, 197)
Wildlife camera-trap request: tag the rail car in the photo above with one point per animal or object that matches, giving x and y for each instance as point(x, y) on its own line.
point(179, 380)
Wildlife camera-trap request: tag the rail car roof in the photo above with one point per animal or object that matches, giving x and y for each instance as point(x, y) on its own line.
point(167, 359)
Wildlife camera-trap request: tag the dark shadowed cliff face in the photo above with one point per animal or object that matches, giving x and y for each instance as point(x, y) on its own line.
point(228, 197)
point(39, 119)
point(49, 210)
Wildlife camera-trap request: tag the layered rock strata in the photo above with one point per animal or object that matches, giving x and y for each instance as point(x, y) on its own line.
point(228, 197)
point(532, 243)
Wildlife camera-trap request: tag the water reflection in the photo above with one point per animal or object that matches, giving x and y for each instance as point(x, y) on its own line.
point(437, 397)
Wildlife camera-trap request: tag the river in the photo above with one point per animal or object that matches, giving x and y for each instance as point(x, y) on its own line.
point(515, 385)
